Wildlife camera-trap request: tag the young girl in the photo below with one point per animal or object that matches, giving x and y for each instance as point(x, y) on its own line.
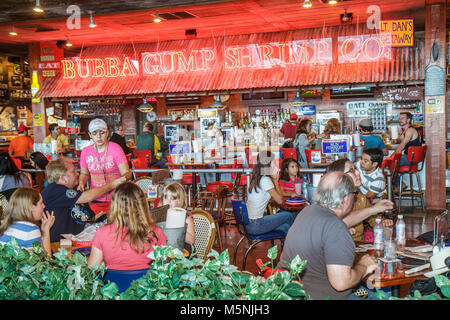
point(302, 140)
point(130, 233)
point(289, 177)
point(174, 195)
point(25, 210)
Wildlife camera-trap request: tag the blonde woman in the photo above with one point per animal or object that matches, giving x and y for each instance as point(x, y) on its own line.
point(174, 195)
point(25, 210)
point(129, 235)
point(333, 126)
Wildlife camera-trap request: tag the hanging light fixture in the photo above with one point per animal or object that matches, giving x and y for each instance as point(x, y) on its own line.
point(12, 32)
point(37, 8)
point(298, 100)
point(307, 4)
point(91, 19)
point(332, 1)
point(68, 43)
point(145, 107)
point(77, 109)
point(157, 19)
point(218, 104)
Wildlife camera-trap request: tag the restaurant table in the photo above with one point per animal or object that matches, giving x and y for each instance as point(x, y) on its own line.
point(400, 279)
point(194, 165)
point(286, 207)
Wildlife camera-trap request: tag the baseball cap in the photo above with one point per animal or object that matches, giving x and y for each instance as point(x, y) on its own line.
point(293, 116)
point(365, 123)
point(97, 124)
point(22, 128)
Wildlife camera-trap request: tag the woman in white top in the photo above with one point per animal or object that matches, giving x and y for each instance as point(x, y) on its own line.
point(264, 186)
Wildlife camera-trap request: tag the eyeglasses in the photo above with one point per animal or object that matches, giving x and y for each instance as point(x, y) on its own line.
point(352, 170)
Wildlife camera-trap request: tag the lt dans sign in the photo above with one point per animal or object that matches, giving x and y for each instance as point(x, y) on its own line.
point(362, 48)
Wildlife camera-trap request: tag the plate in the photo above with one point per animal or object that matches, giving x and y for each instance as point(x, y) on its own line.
point(85, 251)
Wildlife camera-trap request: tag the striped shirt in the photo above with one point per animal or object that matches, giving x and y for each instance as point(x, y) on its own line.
point(25, 232)
point(289, 186)
point(374, 182)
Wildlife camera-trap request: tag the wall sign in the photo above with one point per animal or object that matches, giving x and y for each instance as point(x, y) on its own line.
point(335, 146)
point(362, 109)
point(434, 81)
point(435, 104)
point(402, 31)
point(402, 94)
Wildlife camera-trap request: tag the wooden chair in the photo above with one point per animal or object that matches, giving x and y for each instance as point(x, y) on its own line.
point(143, 183)
point(204, 228)
point(207, 200)
point(139, 163)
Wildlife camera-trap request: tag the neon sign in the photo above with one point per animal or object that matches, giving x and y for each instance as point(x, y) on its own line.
point(351, 49)
point(364, 48)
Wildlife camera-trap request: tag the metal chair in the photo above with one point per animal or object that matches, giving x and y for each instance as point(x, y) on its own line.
point(241, 215)
point(416, 155)
point(393, 164)
point(143, 183)
point(204, 228)
point(123, 278)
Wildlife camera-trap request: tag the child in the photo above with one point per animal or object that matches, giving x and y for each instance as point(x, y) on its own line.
point(175, 196)
point(25, 210)
point(289, 177)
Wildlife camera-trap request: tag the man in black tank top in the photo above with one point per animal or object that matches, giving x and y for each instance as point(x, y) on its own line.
point(410, 137)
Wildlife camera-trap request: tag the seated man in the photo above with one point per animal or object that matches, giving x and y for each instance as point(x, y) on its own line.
point(371, 140)
point(373, 183)
point(319, 236)
point(63, 199)
point(363, 214)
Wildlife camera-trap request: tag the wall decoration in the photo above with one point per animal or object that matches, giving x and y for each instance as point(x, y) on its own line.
point(8, 119)
point(17, 68)
point(15, 81)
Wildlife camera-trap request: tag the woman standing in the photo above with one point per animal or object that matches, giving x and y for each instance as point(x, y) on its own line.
point(102, 163)
point(302, 140)
point(11, 177)
point(130, 233)
point(25, 210)
point(263, 187)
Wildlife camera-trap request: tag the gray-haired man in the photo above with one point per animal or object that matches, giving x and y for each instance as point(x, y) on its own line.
point(319, 236)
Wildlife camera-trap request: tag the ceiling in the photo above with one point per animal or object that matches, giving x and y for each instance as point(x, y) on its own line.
point(130, 21)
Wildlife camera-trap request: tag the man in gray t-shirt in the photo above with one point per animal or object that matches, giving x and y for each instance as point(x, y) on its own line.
point(320, 237)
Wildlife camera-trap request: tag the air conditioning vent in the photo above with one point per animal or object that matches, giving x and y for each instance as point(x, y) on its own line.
point(176, 15)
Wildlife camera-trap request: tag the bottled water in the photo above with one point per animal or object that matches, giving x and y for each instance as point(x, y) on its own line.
point(378, 235)
point(400, 231)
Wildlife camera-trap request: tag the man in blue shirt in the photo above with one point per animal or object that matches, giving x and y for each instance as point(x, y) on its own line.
point(371, 140)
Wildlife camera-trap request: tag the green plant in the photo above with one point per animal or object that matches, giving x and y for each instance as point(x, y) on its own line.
point(32, 275)
point(172, 276)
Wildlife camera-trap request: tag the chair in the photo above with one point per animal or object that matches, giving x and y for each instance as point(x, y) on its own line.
point(123, 278)
point(139, 163)
point(3, 204)
point(205, 232)
point(241, 216)
point(393, 164)
point(289, 153)
point(240, 180)
point(308, 153)
point(207, 200)
point(143, 183)
point(143, 154)
point(416, 155)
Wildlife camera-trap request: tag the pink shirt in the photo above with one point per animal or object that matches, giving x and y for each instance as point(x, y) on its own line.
point(103, 167)
point(118, 255)
point(289, 186)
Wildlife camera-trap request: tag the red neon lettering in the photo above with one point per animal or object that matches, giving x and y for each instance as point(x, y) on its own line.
point(98, 68)
point(247, 56)
point(189, 65)
point(112, 69)
point(266, 54)
point(356, 43)
point(299, 53)
point(68, 67)
point(321, 49)
point(208, 55)
point(282, 47)
point(150, 63)
point(171, 63)
point(231, 58)
point(86, 67)
point(380, 45)
point(128, 69)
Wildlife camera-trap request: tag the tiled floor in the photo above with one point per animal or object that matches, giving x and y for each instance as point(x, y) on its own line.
point(414, 227)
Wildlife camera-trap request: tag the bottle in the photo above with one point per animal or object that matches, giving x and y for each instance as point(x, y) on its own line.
point(400, 232)
point(378, 236)
point(34, 86)
point(304, 191)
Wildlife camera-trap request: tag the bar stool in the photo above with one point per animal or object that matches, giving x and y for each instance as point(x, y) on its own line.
point(393, 164)
point(416, 156)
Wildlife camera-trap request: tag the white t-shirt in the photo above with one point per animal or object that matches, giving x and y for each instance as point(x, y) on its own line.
point(257, 199)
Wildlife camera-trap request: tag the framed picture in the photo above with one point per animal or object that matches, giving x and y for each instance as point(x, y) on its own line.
point(15, 81)
point(8, 119)
point(17, 68)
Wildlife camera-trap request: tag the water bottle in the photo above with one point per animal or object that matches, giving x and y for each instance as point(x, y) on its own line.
point(400, 232)
point(378, 237)
point(304, 191)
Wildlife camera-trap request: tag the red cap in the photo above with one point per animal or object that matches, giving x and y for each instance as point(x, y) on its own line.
point(22, 128)
point(293, 116)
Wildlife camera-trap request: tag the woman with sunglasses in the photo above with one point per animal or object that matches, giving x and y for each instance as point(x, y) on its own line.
point(101, 163)
point(363, 213)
